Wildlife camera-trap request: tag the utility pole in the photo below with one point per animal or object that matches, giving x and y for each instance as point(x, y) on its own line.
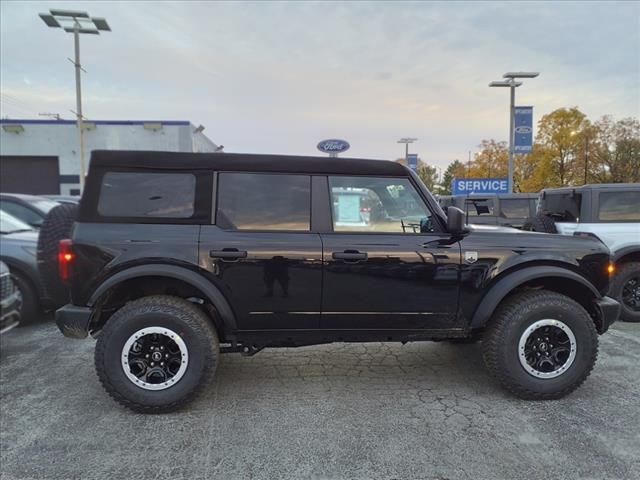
point(512, 84)
point(77, 22)
point(406, 141)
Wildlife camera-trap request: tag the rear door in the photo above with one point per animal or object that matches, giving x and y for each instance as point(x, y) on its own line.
point(388, 266)
point(261, 252)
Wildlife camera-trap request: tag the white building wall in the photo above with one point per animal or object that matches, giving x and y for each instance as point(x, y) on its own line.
point(60, 139)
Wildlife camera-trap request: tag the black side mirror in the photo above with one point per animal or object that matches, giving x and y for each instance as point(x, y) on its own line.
point(455, 221)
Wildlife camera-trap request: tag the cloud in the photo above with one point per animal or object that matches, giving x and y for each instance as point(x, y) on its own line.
point(277, 77)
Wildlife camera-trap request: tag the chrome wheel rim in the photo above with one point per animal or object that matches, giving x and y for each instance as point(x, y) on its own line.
point(155, 358)
point(631, 293)
point(547, 349)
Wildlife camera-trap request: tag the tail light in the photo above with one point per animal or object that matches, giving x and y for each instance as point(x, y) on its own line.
point(65, 259)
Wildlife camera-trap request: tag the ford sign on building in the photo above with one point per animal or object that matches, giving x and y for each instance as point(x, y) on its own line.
point(333, 146)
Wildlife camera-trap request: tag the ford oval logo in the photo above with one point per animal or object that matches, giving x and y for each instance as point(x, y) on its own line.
point(523, 129)
point(333, 145)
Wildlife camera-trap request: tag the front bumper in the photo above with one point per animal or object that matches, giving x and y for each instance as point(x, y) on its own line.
point(608, 313)
point(73, 321)
point(10, 312)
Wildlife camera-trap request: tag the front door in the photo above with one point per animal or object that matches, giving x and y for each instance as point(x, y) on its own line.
point(261, 252)
point(387, 264)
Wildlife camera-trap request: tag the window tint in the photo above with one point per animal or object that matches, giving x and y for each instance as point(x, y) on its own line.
point(365, 204)
point(255, 201)
point(514, 207)
point(619, 206)
point(21, 212)
point(158, 195)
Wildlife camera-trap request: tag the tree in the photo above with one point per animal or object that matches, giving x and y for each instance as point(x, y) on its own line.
point(491, 161)
point(613, 150)
point(455, 169)
point(559, 139)
point(428, 175)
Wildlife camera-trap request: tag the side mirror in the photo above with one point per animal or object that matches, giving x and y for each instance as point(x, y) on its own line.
point(455, 221)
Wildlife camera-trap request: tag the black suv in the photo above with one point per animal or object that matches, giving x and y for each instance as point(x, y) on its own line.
point(175, 254)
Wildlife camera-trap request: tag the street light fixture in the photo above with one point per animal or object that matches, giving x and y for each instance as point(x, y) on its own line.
point(407, 141)
point(76, 22)
point(512, 84)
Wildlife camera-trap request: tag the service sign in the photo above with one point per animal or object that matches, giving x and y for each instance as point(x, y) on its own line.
point(523, 125)
point(463, 186)
point(333, 146)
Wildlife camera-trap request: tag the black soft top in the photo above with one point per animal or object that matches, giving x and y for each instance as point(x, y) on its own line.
point(106, 159)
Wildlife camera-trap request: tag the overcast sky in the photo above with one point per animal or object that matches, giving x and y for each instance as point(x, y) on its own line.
point(279, 77)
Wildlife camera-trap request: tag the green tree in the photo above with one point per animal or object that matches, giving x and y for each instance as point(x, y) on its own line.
point(428, 175)
point(455, 169)
point(491, 161)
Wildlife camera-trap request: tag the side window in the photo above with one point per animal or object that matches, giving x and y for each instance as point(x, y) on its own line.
point(479, 206)
point(261, 201)
point(514, 207)
point(372, 204)
point(619, 206)
point(157, 195)
point(21, 212)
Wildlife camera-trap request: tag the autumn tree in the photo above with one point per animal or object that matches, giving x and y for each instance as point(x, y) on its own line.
point(491, 161)
point(427, 174)
point(559, 139)
point(613, 150)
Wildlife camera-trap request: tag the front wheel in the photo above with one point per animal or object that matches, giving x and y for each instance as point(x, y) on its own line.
point(156, 353)
point(540, 345)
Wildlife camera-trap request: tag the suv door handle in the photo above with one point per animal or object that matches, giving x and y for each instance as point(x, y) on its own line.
point(228, 254)
point(349, 255)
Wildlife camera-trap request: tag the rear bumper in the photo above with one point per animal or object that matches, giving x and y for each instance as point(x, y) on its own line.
point(609, 311)
point(73, 321)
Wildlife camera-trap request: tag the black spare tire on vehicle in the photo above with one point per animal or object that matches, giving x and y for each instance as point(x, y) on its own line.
point(540, 223)
point(55, 227)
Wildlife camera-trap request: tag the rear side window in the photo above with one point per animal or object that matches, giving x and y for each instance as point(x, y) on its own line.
point(619, 206)
point(514, 207)
point(153, 195)
point(477, 207)
point(257, 201)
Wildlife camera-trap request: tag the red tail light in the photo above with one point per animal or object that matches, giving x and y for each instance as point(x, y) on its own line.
point(65, 259)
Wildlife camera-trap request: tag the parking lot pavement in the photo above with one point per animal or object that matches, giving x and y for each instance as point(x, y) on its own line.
point(379, 411)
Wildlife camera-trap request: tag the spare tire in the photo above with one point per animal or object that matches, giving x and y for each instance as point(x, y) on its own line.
point(540, 223)
point(55, 227)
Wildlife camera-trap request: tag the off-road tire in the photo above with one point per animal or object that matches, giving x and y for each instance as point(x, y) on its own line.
point(55, 227)
point(194, 327)
point(30, 304)
point(540, 223)
point(510, 321)
point(625, 272)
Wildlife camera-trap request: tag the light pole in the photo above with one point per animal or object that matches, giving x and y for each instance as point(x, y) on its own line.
point(76, 23)
point(407, 141)
point(512, 84)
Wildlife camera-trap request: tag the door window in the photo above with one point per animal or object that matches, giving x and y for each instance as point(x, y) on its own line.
point(259, 201)
point(373, 204)
point(514, 207)
point(619, 206)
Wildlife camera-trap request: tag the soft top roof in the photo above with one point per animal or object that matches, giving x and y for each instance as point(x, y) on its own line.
point(591, 186)
point(105, 159)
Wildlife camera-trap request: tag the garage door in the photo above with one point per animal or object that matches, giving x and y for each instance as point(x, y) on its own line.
point(29, 174)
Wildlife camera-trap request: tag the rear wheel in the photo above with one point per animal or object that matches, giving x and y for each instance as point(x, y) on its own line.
point(625, 288)
point(28, 298)
point(540, 345)
point(540, 223)
point(156, 354)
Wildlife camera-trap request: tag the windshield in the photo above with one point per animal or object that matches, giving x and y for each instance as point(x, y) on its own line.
point(10, 224)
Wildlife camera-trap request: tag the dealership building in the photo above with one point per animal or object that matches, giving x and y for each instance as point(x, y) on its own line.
point(41, 156)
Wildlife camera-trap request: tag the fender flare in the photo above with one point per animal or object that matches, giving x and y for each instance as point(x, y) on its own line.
point(213, 294)
point(505, 285)
point(625, 251)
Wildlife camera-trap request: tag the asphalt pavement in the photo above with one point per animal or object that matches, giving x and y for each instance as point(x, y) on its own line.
point(342, 411)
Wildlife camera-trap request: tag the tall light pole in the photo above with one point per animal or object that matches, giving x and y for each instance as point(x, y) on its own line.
point(76, 22)
point(512, 84)
point(407, 141)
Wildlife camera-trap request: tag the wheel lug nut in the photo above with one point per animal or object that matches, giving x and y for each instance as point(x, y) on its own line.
point(152, 364)
point(162, 364)
point(161, 348)
point(166, 355)
point(146, 356)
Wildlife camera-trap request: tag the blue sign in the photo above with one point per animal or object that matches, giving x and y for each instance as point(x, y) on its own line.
point(412, 161)
point(333, 146)
point(464, 186)
point(523, 129)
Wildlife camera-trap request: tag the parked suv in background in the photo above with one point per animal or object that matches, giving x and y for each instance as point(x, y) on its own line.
point(173, 254)
point(504, 209)
point(609, 213)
